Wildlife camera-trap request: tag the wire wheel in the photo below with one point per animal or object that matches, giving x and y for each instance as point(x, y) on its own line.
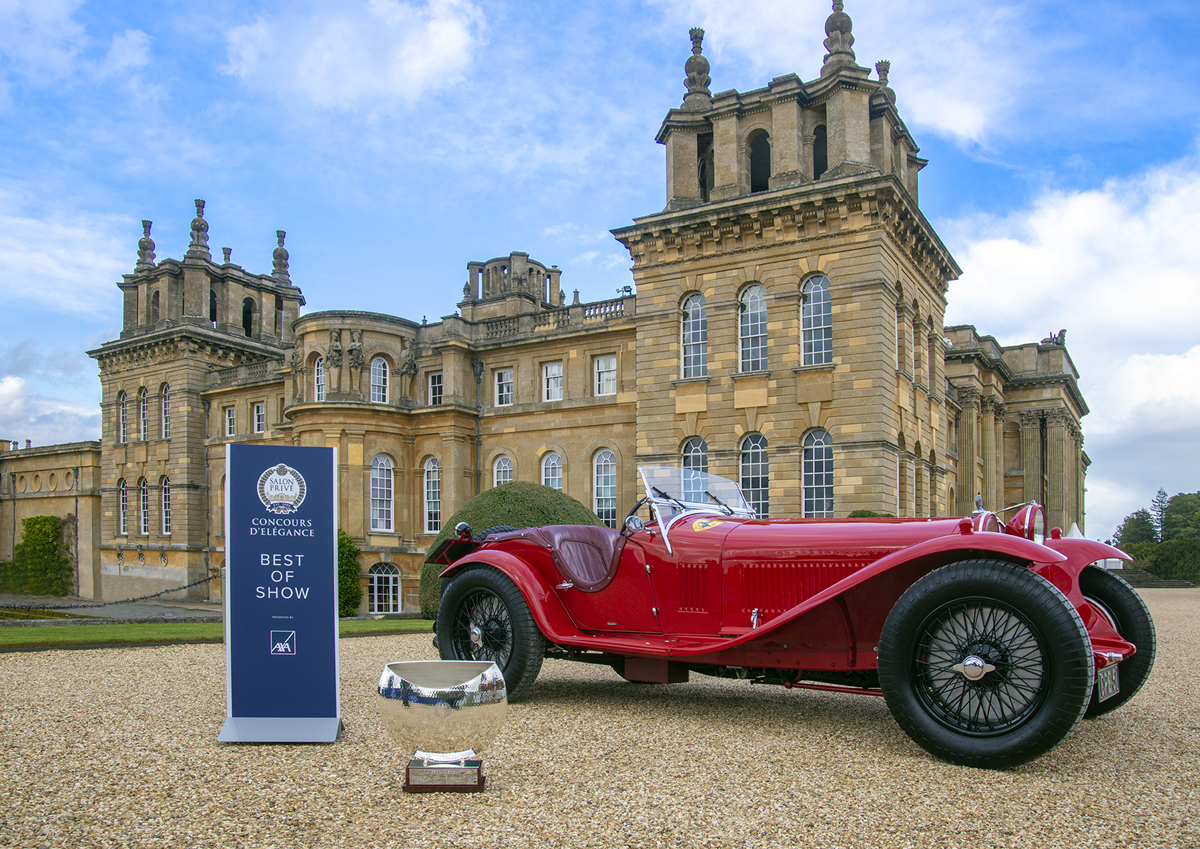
point(483, 628)
point(981, 666)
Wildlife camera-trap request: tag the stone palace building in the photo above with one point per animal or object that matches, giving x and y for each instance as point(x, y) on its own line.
point(783, 327)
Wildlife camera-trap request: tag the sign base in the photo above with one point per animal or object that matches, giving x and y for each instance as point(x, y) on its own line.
point(280, 729)
point(423, 777)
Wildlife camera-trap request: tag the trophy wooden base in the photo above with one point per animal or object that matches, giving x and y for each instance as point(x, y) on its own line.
point(424, 777)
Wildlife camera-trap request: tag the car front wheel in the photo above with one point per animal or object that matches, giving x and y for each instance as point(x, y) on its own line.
point(1129, 616)
point(986, 664)
point(483, 616)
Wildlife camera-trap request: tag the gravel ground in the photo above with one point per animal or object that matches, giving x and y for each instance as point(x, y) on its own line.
point(123, 752)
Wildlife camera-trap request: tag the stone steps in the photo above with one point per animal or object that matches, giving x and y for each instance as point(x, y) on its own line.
point(1141, 579)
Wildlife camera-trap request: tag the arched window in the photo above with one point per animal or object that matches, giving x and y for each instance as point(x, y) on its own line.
point(695, 336)
point(154, 308)
point(817, 322)
point(820, 152)
point(319, 379)
point(552, 471)
point(165, 485)
point(818, 475)
point(166, 411)
point(695, 460)
point(502, 471)
point(383, 589)
point(143, 507)
point(433, 496)
point(122, 507)
point(916, 346)
point(381, 494)
point(604, 487)
point(760, 162)
point(143, 414)
point(248, 316)
point(212, 306)
point(122, 418)
point(379, 380)
point(752, 328)
point(756, 473)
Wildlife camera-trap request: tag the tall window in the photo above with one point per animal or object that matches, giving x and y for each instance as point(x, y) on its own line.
point(552, 471)
point(379, 381)
point(552, 381)
point(760, 162)
point(143, 414)
point(695, 460)
point(231, 421)
point(817, 322)
point(122, 507)
point(752, 328)
point(166, 506)
point(695, 337)
point(502, 471)
point(606, 375)
point(143, 507)
point(381, 493)
point(166, 411)
point(433, 496)
point(916, 347)
point(319, 379)
point(756, 473)
point(383, 589)
point(435, 389)
point(604, 487)
point(818, 475)
point(248, 316)
point(122, 418)
point(260, 417)
point(504, 387)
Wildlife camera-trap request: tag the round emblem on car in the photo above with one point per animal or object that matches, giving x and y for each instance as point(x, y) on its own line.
point(281, 489)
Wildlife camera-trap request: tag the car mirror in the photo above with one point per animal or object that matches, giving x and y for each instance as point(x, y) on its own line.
point(633, 524)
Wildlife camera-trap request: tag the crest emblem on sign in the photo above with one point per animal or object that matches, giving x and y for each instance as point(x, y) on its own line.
point(705, 524)
point(281, 489)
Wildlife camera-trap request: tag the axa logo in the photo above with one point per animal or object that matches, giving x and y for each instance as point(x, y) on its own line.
point(283, 642)
point(281, 489)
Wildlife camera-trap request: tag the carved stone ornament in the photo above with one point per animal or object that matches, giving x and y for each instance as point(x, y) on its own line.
point(225, 254)
point(145, 258)
point(839, 40)
point(355, 351)
point(408, 362)
point(334, 355)
point(883, 67)
point(698, 96)
point(199, 244)
point(279, 258)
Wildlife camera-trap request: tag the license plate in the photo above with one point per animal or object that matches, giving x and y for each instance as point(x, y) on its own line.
point(1108, 682)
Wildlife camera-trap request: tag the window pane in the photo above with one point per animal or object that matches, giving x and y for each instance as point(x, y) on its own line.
point(166, 506)
point(605, 487)
point(755, 473)
point(435, 389)
point(166, 412)
point(433, 496)
point(502, 471)
point(381, 494)
point(379, 381)
point(695, 459)
point(818, 475)
point(753, 329)
point(695, 337)
point(817, 322)
point(552, 389)
point(504, 387)
point(606, 375)
point(552, 471)
point(319, 379)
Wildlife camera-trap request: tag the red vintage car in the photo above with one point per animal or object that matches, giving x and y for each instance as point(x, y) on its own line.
point(988, 641)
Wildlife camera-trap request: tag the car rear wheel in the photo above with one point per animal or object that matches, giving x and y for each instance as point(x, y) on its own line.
point(483, 616)
point(986, 664)
point(1127, 613)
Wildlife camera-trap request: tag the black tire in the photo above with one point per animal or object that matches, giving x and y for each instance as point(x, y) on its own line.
point(483, 598)
point(985, 664)
point(1128, 614)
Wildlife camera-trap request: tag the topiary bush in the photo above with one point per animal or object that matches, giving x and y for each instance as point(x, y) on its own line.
point(519, 504)
point(40, 564)
point(350, 590)
point(870, 514)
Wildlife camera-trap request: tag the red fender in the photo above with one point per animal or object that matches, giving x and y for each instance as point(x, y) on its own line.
point(547, 611)
point(1081, 553)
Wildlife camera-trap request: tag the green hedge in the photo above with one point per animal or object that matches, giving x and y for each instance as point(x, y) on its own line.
point(870, 514)
point(1175, 559)
point(40, 564)
point(520, 504)
point(350, 590)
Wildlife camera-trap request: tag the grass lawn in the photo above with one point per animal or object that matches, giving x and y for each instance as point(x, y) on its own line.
point(162, 633)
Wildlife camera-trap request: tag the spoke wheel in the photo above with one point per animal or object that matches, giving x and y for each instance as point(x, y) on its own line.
point(483, 616)
point(985, 663)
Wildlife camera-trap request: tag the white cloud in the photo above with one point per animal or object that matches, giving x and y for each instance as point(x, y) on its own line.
point(371, 56)
point(26, 415)
point(1118, 267)
point(63, 258)
point(39, 37)
point(129, 51)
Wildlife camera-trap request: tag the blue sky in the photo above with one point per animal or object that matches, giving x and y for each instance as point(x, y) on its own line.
point(396, 141)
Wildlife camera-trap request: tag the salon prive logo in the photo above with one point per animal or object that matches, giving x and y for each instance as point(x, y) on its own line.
point(281, 489)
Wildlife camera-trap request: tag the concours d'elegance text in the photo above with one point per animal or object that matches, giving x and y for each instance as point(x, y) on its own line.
point(271, 527)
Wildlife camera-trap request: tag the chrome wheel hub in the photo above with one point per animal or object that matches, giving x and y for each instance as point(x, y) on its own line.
point(476, 636)
point(973, 667)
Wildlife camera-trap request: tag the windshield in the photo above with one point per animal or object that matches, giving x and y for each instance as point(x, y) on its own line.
point(670, 487)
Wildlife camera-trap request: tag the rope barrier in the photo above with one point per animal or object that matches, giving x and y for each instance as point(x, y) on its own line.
point(107, 603)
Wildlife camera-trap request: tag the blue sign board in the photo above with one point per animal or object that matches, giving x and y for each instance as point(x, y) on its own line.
point(281, 618)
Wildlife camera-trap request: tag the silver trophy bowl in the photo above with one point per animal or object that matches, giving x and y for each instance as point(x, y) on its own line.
point(442, 710)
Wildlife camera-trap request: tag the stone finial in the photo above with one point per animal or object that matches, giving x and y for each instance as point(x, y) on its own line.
point(225, 253)
point(145, 258)
point(279, 259)
point(698, 96)
point(839, 41)
point(883, 67)
point(199, 244)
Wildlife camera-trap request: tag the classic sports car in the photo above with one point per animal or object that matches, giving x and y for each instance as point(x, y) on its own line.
point(989, 641)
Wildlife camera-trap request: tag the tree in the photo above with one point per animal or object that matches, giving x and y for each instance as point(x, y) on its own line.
point(1137, 527)
point(1182, 517)
point(1158, 511)
point(349, 584)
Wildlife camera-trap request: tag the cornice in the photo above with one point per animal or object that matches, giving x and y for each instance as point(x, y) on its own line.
point(182, 340)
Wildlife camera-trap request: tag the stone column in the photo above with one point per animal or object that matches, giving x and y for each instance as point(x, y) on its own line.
point(1000, 409)
point(968, 450)
point(1031, 456)
point(1057, 453)
point(988, 426)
